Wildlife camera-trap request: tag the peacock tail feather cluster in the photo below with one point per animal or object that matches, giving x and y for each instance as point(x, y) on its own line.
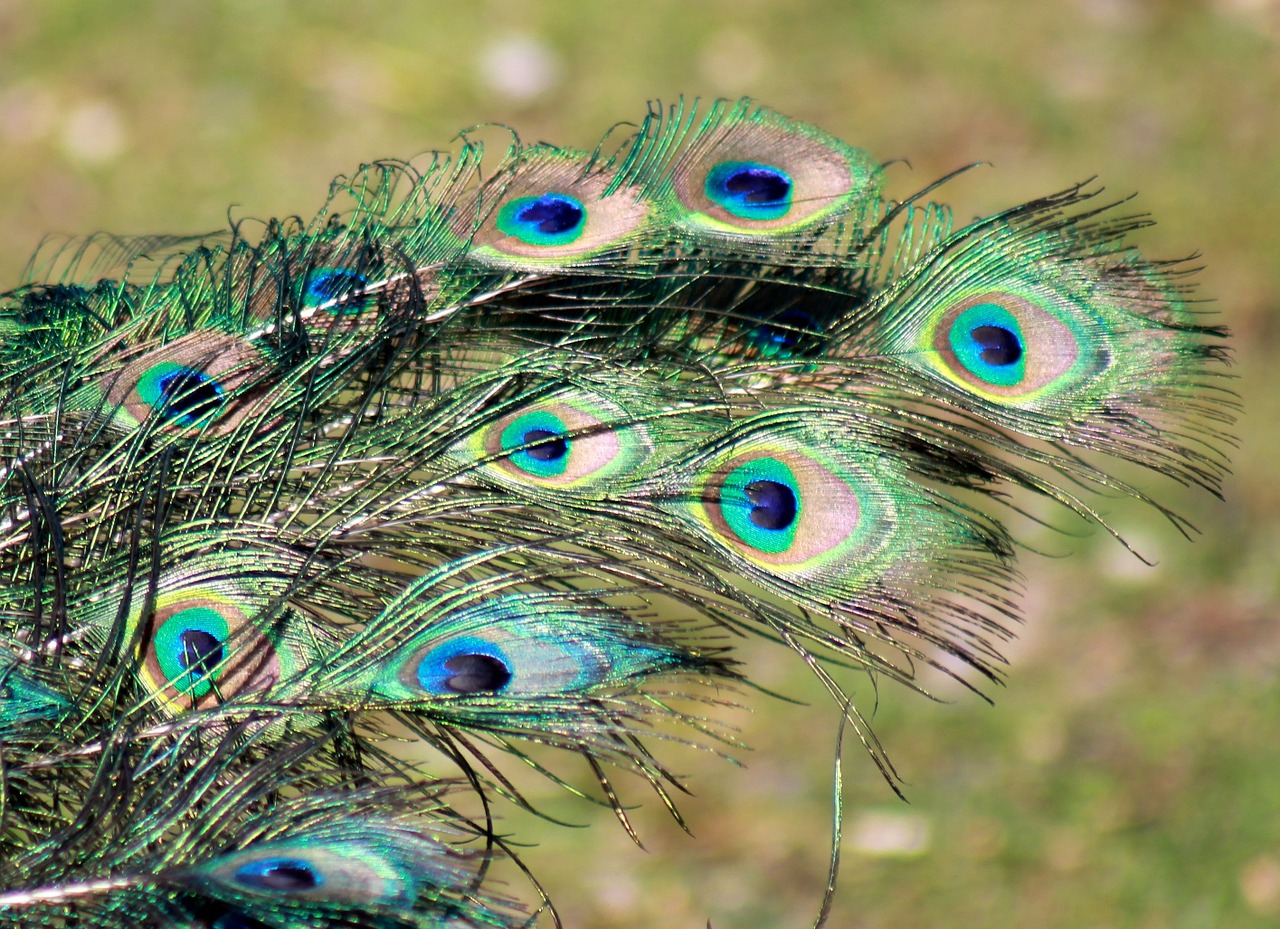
point(498, 453)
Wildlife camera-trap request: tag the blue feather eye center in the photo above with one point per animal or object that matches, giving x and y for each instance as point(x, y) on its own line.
point(545, 445)
point(201, 652)
point(760, 503)
point(551, 219)
point(538, 443)
point(749, 189)
point(987, 341)
point(465, 665)
point(181, 394)
point(189, 647)
point(328, 287)
point(790, 333)
point(789, 506)
point(476, 674)
point(1000, 346)
point(773, 504)
point(201, 647)
point(279, 875)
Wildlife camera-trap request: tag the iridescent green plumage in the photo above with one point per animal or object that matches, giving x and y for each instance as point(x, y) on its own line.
point(503, 455)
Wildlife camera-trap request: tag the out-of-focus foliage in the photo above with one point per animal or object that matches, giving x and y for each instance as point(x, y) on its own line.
point(1129, 775)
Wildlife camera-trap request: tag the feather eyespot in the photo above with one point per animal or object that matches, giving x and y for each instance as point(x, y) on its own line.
point(538, 444)
point(1013, 346)
point(203, 651)
point(465, 665)
point(759, 502)
point(550, 219)
point(182, 395)
point(278, 875)
point(751, 172)
point(511, 646)
point(750, 190)
point(550, 208)
point(188, 647)
point(987, 341)
point(576, 442)
point(780, 507)
point(336, 290)
point(315, 869)
point(204, 380)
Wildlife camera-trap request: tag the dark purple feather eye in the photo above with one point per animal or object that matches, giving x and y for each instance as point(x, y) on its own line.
point(476, 673)
point(551, 219)
point(201, 652)
point(181, 394)
point(997, 345)
point(464, 665)
point(749, 190)
point(285, 875)
point(773, 504)
point(545, 445)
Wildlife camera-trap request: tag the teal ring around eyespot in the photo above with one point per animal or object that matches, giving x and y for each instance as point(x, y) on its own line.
point(718, 190)
point(168, 647)
point(969, 352)
point(433, 676)
point(736, 507)
point(513, 437)
point(518, 219)
point(331, 288)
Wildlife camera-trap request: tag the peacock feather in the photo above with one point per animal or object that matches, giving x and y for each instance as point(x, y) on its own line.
point(503, 454)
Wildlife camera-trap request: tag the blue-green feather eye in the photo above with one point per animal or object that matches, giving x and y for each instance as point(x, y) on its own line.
point(987, 341)
point(514, 656)
point(1013, 345)
point(183, 395)
point(205, 380)
point(786, 335)
point(279, 874)
point(760, 502)
point(749, 190)
point(512, 646)
point(747, 171)
point(203, 645)
point(337, 290)
point(189, 646)
point(363, 866)
point(549, 219)
point(538, 443)
point(550, 208)
point(353, 868)
point(466, 665)
point(786, 507)
point(577, 441)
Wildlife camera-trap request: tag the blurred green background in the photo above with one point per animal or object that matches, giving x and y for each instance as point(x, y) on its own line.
point(1129, 774)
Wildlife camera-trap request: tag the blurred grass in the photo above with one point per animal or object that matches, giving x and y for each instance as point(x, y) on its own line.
point(1129, 775)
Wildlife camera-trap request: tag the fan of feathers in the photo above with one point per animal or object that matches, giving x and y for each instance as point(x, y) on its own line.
point(504, 455)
